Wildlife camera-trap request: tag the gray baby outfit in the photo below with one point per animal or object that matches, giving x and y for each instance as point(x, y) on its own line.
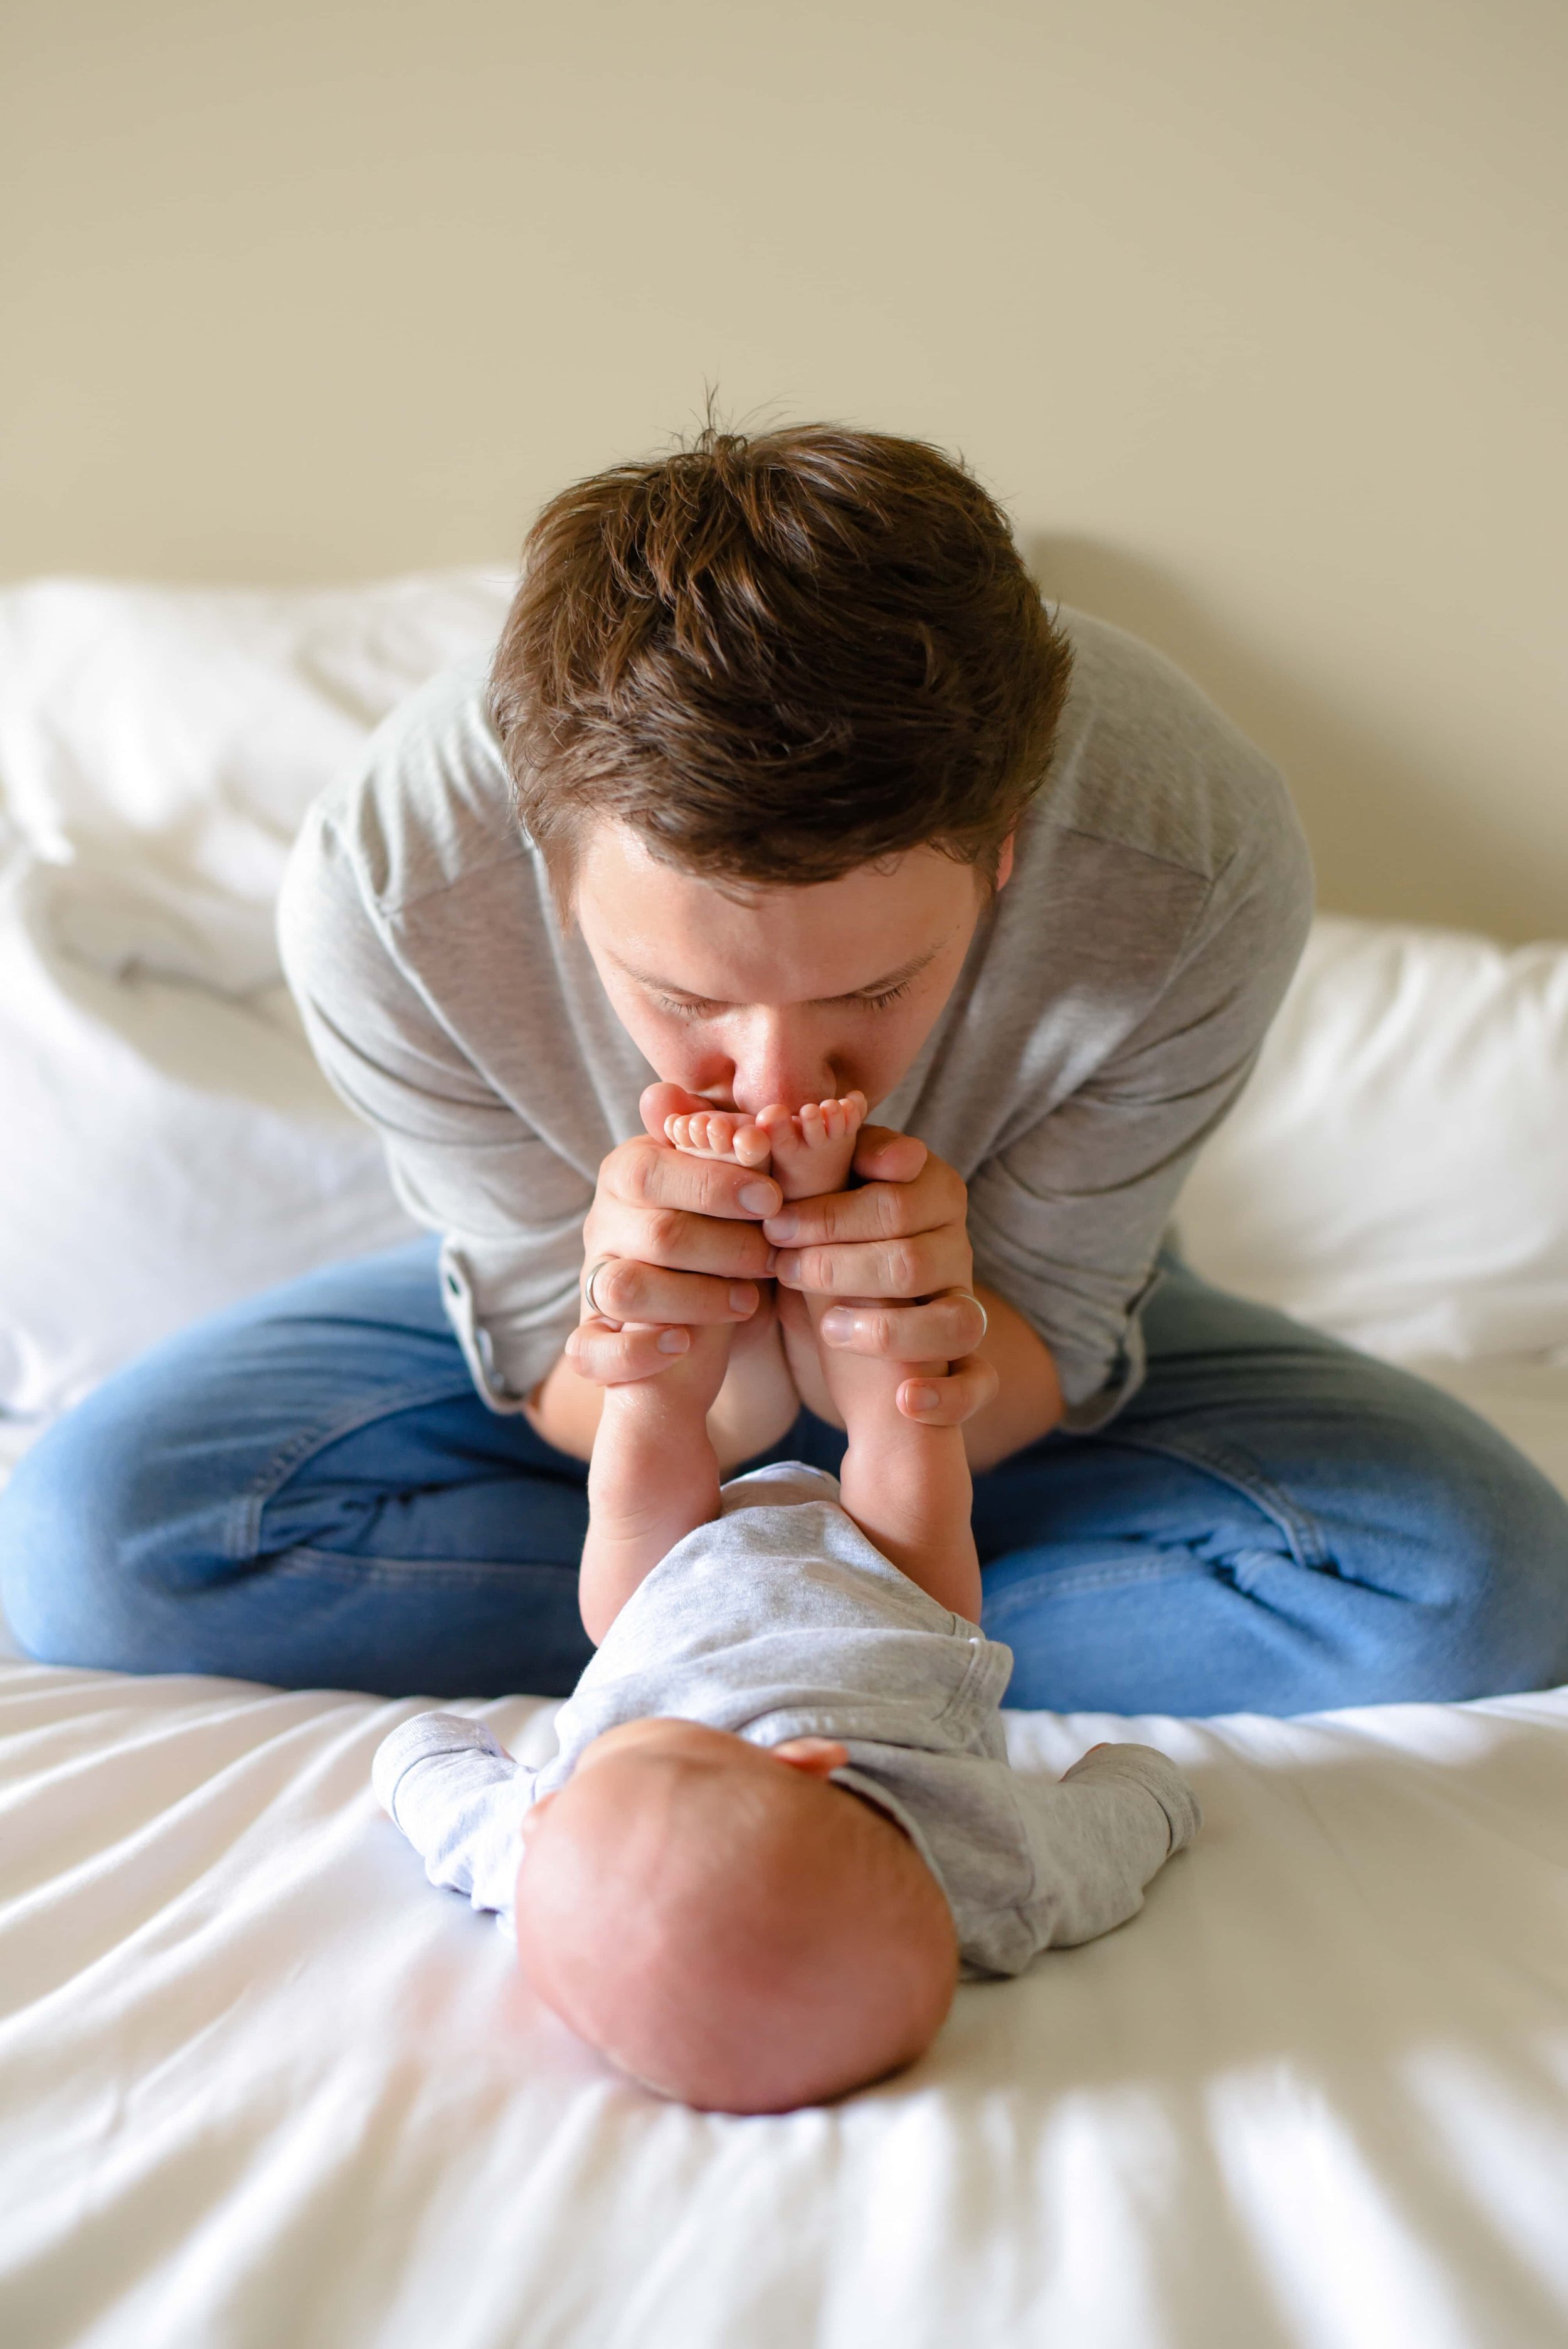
point(781, 1619)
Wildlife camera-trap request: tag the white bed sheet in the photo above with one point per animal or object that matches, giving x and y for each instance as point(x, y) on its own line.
point(258, 2084)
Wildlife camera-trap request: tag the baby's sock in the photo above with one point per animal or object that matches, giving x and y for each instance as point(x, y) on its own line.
point(459, 1798)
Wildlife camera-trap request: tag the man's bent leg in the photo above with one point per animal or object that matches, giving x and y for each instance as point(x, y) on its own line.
point(303, 1489)
point(1275, 1522)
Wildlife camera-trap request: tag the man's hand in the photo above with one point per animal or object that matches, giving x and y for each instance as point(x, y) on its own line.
point(672, 1242)
point(902, 1235)
point(669, 1240)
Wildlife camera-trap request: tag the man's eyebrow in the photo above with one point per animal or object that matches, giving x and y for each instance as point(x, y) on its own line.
point(889, 980)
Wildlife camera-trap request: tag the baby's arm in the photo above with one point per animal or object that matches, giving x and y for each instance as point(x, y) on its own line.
point(1099, 1833)
point(460, 1799)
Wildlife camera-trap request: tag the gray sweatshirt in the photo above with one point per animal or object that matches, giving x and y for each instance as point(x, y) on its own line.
point(1107, 1015)
point(781, 1619)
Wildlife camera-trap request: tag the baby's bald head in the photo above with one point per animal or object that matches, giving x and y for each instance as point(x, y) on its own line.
point(732, 1928)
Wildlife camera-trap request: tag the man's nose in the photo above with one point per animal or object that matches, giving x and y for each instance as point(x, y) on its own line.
point(777, 1060)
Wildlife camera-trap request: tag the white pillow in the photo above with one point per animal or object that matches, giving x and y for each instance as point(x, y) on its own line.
point(160, 746)
point(166, 1144)
point(1397, 1171)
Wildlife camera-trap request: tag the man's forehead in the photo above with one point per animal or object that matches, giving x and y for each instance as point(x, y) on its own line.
point(872, 927)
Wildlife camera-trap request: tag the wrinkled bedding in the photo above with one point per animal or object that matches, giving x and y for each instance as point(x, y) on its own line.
point(259, 2084)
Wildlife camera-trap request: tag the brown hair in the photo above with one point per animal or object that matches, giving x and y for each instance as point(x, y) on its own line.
point(777, 658)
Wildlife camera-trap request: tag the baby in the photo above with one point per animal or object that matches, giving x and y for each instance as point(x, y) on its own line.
point(781, 1819)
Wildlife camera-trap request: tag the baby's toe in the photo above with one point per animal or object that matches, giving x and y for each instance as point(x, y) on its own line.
point(726, 1132)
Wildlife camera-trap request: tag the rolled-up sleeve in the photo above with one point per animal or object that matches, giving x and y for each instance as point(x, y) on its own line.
point(462, 1160)
point(1067, 1217)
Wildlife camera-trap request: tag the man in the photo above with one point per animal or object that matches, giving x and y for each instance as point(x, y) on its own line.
point(782, 784)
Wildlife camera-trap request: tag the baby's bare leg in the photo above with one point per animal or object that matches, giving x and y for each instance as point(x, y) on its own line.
point(653, 1478)
point(907, 1486)
point(758, 1403)
point(807, 1154)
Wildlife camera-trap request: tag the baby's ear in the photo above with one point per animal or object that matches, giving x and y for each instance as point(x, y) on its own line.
point(819, 1757)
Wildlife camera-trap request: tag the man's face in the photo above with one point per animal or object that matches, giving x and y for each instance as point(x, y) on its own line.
point(784, 995)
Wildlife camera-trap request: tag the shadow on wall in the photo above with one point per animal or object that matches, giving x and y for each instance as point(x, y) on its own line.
point(1386, 844)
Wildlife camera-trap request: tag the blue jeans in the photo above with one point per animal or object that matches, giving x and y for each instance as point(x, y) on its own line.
point(305, 1489)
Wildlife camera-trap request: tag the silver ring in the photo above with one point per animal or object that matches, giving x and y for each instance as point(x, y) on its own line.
point(589, 1277)
point(984, 1317)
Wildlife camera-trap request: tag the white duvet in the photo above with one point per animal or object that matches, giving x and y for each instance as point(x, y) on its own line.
point(261, 2088)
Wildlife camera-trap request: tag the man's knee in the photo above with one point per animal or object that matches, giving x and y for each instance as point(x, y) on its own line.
point(76, 1560)
point(1521, 1611)
point(1494, 1537)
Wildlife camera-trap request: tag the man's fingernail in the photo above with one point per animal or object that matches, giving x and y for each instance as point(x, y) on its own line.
point(916, 1398)
point(836, 1326)
point(783, 1228)
point(743, 1297)
point(757, 1198)
point(789, 1265)
point(673, 1341)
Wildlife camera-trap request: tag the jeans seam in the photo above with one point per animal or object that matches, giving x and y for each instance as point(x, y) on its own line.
point(245, 1530)
point(312, 1564)
point(1075, 1580)
point(1240, 1470)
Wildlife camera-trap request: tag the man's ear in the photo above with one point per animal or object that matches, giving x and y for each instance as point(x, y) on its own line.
point(818, 1757)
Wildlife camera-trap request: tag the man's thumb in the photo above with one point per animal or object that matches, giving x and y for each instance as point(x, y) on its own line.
point(662, 1101)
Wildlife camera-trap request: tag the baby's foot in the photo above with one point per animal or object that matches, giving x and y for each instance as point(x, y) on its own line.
point(808, 1152)
point(720, 1134)
point(813, 1150)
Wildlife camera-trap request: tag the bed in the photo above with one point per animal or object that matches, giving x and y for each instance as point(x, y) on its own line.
point(258, 2085)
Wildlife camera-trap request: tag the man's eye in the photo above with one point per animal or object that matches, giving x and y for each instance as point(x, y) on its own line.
point(888, 995)
point(679, 1010)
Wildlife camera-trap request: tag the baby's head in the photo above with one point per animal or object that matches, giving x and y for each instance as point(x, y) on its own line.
point(727, 1924)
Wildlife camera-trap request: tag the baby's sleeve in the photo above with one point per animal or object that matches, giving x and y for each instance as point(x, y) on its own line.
point(1098, 1834)
point(459, 1797)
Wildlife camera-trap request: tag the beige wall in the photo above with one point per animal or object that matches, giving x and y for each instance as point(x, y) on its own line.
point(1252, 310)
